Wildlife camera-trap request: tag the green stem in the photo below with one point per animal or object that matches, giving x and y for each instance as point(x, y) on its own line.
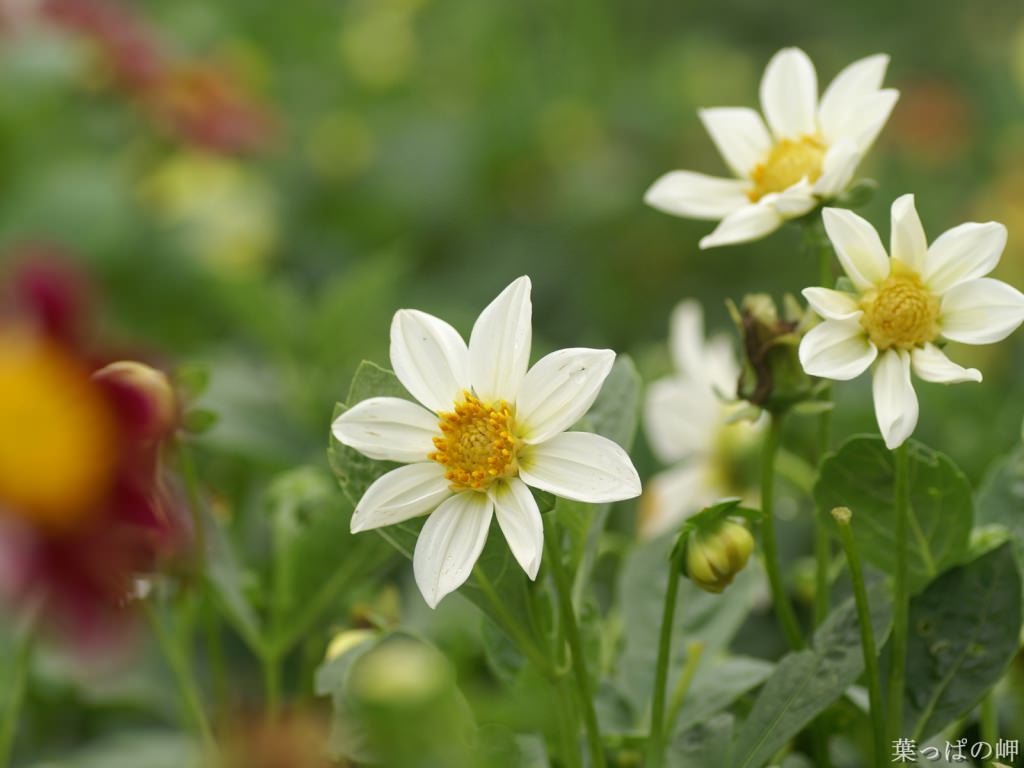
point(783, 608)
point(656, 741)
point(15, 697)
point(989, 719)
point(178, 662)
point(901, 598)
point(842, 517)
point(581, 677)
point(192, 489)
point(694, 652)
point(271, 684)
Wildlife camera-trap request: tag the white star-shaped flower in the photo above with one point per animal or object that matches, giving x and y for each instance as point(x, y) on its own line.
point(904, 302)
point(485, 429)
point(686, 420)
point(810, 153)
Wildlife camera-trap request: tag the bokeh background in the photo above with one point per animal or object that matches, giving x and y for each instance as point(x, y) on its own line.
point(313, 166)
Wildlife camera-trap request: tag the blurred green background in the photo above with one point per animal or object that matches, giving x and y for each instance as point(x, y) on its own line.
point(426, 152)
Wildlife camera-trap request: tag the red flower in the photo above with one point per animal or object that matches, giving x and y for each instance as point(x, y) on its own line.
point(86, 504)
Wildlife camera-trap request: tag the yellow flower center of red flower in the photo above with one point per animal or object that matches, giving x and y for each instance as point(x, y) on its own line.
point(58, 439)
point(478, 443)
point(787, 163)
point(900, 312)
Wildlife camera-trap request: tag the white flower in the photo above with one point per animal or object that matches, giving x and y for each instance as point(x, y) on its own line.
point(486, 429)
point(810, 154)
point(903, 303)
point(686, 422)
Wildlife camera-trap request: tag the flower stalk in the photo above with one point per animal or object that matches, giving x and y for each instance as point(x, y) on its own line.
point(656, 740)
point(15, 697)
point(901, 597)
point(783, 608)
point(581, 676)
point(843, 518)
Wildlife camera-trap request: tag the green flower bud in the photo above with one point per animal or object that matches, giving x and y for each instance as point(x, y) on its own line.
point(716, 553)
point(771, 376)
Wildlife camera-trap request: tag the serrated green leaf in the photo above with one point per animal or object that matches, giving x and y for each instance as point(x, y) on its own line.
point(964, 631)
point(860, 475)
point(806, 682)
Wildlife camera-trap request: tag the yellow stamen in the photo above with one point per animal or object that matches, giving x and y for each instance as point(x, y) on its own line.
point(58, 440)
point(900, 312)
point(787, 163)
point(478, 443)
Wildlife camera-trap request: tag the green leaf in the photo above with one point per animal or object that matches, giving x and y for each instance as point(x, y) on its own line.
point(199, 420)
point(192, 379)
point(1001, 497)
point(710, 619)
point(317, 563)
point(717, 685)
point(354, 471)
point(806, 682)
point(703, 745)
point(616, 410)
point(964, 631)
point(860, 475)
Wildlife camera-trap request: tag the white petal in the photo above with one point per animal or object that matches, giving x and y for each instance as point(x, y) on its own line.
point(871, 117)
point(907, 242)
point(748, 223)
point(963, 253)
point(388, 428)
point(674, 495)
point(401, 494)
point(520, 522)
point(895, 399)
point(697, 196)
point(789, 94)
point(429, 358)
point(559, 389)
point(680, 414)
point(792, 202)
point(839, 165)
point(931, 364)
point(740, 135)
point(847, 91)
point(857, 246)
point(450, 544)
point(833, 305)
point(837, 349)
point(721, 370)
point(580, 466)
point(981, 311)
point(686, 336)
point(499, 347)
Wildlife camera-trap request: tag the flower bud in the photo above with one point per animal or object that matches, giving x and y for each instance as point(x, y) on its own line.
point(143, 398)
point(771, 377)
point(714, 555)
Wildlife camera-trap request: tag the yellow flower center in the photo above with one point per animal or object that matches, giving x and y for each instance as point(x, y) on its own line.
point(787, 163)
point(478, 443)
point(900, 312)
point(58, 439)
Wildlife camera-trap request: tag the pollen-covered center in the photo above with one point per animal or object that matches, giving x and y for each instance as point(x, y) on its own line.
point(478, 443)
point(787, 163)
point(901, 312)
